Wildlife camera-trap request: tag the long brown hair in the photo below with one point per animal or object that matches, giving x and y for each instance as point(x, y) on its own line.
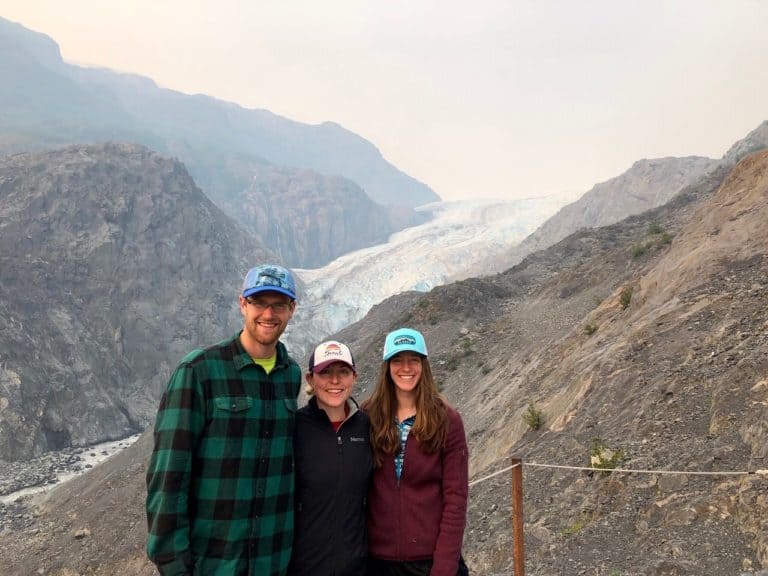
point(430, 427)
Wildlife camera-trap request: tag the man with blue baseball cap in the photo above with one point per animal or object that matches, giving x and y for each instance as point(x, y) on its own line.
point(220, 482)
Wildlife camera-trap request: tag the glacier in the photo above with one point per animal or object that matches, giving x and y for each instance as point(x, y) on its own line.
point(442, 250)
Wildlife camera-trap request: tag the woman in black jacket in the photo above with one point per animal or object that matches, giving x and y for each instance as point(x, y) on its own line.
point(333, 470)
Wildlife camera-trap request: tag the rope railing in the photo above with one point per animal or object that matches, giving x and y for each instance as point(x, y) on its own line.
point(518, 552)
point(483, 479)
point(759, 472)
point(641, 471)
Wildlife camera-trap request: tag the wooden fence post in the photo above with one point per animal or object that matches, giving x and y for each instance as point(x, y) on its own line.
point(518, 541)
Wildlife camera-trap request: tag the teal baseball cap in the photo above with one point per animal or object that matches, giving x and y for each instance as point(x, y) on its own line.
point(404, 340)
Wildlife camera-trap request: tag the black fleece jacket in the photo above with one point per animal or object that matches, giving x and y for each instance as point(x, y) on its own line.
point(333, 472)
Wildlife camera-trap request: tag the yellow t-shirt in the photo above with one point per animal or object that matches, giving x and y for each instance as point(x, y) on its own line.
point(267, 363)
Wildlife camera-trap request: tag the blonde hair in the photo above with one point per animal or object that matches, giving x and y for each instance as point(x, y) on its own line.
point(430, 427)
point(309, 390)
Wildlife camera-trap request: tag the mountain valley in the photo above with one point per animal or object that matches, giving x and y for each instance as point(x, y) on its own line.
point(671, 377)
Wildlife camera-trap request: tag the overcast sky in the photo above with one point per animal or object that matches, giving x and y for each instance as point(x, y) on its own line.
point(476, 98)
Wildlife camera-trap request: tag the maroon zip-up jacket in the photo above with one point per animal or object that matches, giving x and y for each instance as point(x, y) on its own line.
point(422, 516)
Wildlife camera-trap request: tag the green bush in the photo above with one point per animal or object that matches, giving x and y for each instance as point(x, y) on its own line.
point(655, 228)
point(574, 528)
point(640, 250)
point(590, 329)
point(625, 297)
point(603, 457)
point(533, 417)
point(666, 238)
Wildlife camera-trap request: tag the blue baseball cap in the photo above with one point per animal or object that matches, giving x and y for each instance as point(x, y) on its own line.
point(404, 340)
point(269, 278)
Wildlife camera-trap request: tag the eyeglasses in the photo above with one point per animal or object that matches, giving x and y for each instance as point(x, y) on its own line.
point(277, 307)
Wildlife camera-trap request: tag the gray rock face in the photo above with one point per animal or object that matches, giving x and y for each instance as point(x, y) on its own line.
point(307, 218)
point(754, 141)
point(113, 265)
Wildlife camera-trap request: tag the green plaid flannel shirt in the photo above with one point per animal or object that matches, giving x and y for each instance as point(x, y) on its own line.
point(220, 479)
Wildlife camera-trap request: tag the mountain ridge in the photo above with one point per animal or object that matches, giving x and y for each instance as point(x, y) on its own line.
point(46, 103)
point(646, 184)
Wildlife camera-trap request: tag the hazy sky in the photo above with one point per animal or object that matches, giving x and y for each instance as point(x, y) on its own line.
point(476, 98)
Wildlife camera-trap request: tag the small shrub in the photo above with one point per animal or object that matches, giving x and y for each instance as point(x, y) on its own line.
point(590, 329)
point(625, 297)
point(453, 363)
point(655, 228)
point(574, 528)
point(603, 457)
point(639, 250)
point(665, 239)
point(533, 417)
point(485, 369)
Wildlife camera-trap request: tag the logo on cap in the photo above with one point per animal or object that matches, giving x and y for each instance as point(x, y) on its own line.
point(333, 350)
point(269, 278)
point(329, 352)
point(404, 340)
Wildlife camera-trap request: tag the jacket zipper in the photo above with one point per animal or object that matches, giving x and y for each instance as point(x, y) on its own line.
point(339, 472)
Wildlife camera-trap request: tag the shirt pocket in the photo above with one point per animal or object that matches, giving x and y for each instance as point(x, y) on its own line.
point(233, 406)
point(231, 421)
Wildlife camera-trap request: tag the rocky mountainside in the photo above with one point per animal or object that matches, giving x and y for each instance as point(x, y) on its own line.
point(314, 218)
point(647, 184)
point(753, 142)
point(646, 339)
point(230, 151)
point(107, 253)
point(641, 344)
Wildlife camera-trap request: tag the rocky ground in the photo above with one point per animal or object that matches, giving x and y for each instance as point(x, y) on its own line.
point(20, 482)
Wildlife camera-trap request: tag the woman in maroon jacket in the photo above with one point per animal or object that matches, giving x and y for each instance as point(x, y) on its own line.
point(417, 504)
